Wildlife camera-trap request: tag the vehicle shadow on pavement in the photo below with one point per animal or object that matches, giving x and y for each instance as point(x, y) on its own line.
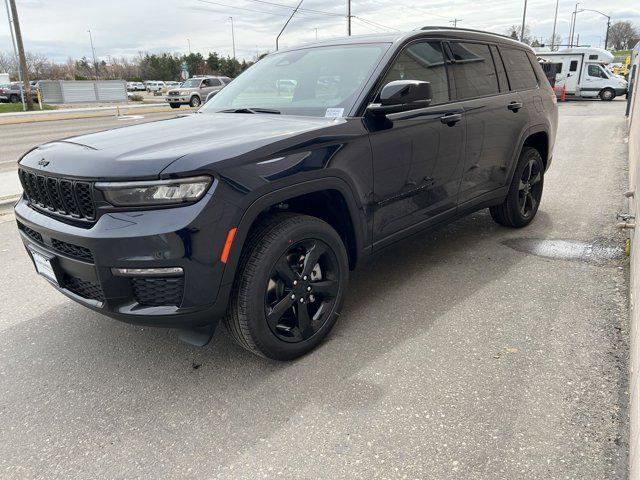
point(100, 377)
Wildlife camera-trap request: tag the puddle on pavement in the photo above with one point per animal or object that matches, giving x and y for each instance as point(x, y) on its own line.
point(596, 252)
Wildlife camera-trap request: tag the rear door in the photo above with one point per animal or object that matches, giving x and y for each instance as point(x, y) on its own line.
point(417, 155)
point(495, 116)
point(572, 78)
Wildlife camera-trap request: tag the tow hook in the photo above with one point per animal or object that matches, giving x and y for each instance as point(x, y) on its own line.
point(628, 221)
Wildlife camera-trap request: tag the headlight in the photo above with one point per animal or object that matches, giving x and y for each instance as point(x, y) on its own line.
point(160, 192)
point(184, 92)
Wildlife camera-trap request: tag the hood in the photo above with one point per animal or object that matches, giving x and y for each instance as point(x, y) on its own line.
point(143, 151)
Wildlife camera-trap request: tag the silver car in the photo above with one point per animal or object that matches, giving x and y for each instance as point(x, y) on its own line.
point(195, 91)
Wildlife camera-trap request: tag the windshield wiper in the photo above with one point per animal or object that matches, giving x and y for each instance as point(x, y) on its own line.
point(250, 110)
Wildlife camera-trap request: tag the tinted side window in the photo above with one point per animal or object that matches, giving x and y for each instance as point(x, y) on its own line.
point(502, 76)
point(422, 61)
point(214, 82)
point(473, 70)
point(519, 69)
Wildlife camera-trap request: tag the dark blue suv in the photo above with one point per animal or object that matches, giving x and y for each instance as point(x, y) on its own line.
point(254, 209)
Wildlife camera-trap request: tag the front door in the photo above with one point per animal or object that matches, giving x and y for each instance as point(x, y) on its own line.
point(417, 154)
point(595, 79)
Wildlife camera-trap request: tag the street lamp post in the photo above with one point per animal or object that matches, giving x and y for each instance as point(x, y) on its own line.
point(233, 38)
point(93, 51)
point(524, 17)
point(555, 22)
point(608, 17)
point(573, 23)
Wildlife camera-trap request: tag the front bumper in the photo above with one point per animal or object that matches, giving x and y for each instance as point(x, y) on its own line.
point(621, 91)
point(181, 100)
point(191, 237)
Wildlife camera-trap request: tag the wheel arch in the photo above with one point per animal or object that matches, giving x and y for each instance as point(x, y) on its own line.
point(330, 199)
point(540, 141)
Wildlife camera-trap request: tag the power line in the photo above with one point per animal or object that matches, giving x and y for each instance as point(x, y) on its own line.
point(247, 9)
point(308, 10)
point(376, 23)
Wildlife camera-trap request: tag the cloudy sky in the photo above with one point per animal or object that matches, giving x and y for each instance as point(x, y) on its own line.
point(58, 28)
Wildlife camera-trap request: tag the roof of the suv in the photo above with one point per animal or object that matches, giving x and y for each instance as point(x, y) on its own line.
point(429, 31)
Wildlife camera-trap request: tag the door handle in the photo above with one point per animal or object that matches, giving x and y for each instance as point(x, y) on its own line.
point(451, 118)
point(515, 106)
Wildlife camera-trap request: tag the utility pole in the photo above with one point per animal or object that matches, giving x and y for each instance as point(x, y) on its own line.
point(606, 37)
point(555, 22)
point(524, 17)
point(93, 51)
point(455, 22)
point(349, 17)
point(285, 25)
point(23, 60)
point(233, 39)
point(15, 52)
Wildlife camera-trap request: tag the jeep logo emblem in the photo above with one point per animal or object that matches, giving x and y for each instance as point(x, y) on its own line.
point(43, 163)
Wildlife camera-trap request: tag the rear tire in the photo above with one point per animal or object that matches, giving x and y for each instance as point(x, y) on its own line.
point(289, 288)
point(607, 94)
point(525, 192)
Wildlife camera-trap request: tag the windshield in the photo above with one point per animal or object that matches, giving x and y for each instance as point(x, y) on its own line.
point(191, 83)
point(320, 81)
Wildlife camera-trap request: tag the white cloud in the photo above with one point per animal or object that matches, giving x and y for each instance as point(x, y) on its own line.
point(58, 28)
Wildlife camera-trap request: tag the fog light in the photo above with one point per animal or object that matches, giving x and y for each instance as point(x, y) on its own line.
point(148, 272)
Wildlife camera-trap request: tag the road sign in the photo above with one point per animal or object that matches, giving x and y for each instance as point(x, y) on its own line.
point(185, 71)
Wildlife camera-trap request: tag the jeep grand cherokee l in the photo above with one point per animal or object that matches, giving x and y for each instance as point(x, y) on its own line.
point(271, 195)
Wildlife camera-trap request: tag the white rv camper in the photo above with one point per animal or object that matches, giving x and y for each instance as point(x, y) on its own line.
point(581, 70)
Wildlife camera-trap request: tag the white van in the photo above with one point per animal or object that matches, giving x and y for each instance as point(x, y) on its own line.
point(155, 86)
point(581, 70)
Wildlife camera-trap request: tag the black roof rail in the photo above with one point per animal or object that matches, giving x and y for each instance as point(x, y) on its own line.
point(440, 27)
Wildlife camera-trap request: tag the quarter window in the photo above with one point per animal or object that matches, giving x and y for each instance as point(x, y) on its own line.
point(473, 70)
point(519, 69)
point(422, 61)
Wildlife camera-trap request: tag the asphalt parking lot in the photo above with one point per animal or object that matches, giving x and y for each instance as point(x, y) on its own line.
point(474, 352)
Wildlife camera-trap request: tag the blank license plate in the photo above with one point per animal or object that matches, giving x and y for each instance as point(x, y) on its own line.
point(43, 266)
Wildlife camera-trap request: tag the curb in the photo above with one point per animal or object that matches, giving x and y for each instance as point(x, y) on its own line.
point(8, 202)
point(52, 115)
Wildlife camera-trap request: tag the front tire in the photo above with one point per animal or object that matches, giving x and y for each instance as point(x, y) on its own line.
point(175, 105)
point(195, 102)
point(607, 94)
point(14, 99)
point(525, 192)
point(289, 287)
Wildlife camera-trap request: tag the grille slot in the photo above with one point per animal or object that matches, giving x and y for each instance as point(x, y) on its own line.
point(72, 250)
point(156, 292)
point(59, 195)
point(32, 234)
point(83, 288)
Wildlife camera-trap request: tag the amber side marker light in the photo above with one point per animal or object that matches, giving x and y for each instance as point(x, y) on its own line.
point(227, 245)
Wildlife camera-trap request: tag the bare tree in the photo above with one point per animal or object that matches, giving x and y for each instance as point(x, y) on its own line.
point(621, 33)
point(515, 31)
point(556, 41)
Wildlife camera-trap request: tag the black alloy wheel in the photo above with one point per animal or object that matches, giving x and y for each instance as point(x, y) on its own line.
point(301, 291)
point(289, 287)
point(525, 192)
point(530, 188)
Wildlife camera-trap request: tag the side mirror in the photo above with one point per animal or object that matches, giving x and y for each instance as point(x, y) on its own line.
point(402, 95)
